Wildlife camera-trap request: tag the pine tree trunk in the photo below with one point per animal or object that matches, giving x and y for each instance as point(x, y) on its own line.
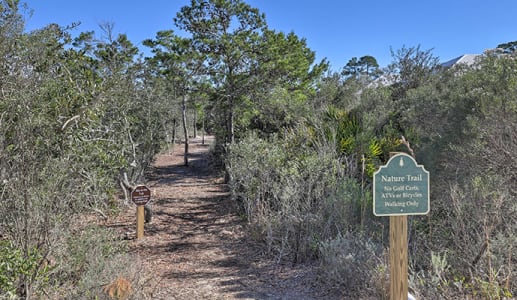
point(203, 131)
point(231, 127)
point(185, 128)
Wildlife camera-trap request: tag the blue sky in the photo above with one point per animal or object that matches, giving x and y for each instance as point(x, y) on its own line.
point(335, 29)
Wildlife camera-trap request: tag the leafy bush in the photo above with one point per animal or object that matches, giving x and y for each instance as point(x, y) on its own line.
point(16, 267)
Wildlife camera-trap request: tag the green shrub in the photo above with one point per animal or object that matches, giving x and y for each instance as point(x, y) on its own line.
point(466, 121)
point(17, 267)
point(296, 193)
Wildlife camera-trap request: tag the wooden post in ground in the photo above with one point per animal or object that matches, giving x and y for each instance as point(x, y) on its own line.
point(139, 221)
point(398, 258)
point(140, 195)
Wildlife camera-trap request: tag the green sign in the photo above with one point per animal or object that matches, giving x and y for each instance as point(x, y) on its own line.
point(401, 187)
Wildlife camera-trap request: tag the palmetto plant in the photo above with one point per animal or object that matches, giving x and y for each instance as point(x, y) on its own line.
point(352, 139)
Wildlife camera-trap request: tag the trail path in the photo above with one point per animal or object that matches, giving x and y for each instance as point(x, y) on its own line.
point(196, 246)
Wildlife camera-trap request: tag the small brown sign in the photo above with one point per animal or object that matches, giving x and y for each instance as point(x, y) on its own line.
point(141, 195)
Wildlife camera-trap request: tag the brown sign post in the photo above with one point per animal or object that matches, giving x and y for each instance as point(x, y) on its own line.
point(140, 196)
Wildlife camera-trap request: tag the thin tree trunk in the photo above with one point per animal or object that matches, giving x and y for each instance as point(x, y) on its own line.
point(195, 123)
point(203, 131)
point(185, 128)
point(231, 129)
point(173, 131)
point(230, 134)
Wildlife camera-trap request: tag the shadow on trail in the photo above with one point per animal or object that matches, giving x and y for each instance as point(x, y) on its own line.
point(198, 232)
point(198, 168)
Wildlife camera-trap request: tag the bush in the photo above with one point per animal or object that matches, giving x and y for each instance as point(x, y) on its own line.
point(17, 267)
point(70, 123)
point(296, 193)
point(355, 264)
point(466, 120)
point(89, 264)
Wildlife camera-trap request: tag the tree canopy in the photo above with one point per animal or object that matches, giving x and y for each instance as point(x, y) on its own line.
point(365, 66)
point(244, 60)
point(509, 47)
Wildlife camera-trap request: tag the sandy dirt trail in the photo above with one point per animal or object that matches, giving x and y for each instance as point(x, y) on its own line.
point(196, 246)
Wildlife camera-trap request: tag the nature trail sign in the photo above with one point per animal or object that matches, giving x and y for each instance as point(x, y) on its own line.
point(401, 187)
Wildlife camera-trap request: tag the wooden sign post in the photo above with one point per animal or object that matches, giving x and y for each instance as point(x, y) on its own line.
point(140, 196)
point(140, 215)
point(398, 258)
point(400, 188)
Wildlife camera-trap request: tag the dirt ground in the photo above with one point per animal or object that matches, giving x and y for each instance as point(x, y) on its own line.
point(196, 246)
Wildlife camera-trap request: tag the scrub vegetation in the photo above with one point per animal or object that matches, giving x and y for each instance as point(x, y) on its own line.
point(81, 119)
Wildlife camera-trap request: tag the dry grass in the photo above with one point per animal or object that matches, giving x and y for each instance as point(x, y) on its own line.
point(120, 289)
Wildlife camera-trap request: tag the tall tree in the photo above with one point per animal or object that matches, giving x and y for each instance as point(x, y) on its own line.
point(365, 66)
point(227, 34)
point(369, 65)
point(180, 64)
